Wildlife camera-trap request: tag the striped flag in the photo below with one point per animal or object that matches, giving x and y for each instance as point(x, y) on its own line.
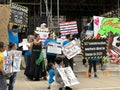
point(68, 28)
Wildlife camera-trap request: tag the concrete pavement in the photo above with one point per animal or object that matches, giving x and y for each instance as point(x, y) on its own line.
point(101, 83)
point(111, 82)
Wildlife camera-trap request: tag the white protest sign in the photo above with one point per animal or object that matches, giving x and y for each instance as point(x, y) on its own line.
point(54, 48)
point(68, 76)
point(25, 44)
point(71, 49)
point(43, 32)
point(17, 61)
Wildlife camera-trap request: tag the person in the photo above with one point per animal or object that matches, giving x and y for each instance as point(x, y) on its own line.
point(51, 72)
point(13, 34)
point(37, 66)
point(3, 84)
point(50, 56)
point(68, 62)
point(12, 48)
point(92, 63)
point(59, 64)
point(27, 55)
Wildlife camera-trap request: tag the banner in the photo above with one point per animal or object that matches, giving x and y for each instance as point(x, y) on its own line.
point(68, 76)
point(68, 28)
point(71, 49)
point(94, 47)
point(110, 28)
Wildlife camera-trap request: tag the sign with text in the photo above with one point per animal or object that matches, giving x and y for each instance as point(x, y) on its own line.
point(68, 76)
point(94, 47)
point(71, 49)
point(54, 48)
point(19, 14)
point(8, 64)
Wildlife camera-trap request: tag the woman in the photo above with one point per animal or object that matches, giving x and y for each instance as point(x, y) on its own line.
point(37, 66)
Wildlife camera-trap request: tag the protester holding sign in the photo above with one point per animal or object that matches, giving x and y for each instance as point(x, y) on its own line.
point(3, 84)
point(13, 34)
point(27, 55)
point(50, 56)
point(12, 48)
point(67, 61)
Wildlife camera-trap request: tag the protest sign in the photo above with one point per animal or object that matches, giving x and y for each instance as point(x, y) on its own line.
point(54, 48)
point(68, 76)
point(93, 47)
point(43, 32)
point(17, 61)
point(19, 14)
point(71, 49)
point(24, 44)
point(68, 28)
point(8, 64)
point(109, 28)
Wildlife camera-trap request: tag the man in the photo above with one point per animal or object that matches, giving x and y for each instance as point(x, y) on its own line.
point(68, 62)
point(13, 34)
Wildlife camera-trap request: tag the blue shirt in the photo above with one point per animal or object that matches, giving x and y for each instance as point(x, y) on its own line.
point(27, 53)
point(51, 75)
point(65, 42)
point(45, 44)
point(94, 59)
point(13, 38)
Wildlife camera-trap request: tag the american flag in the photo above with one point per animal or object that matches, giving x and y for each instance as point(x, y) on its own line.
point(68, 28)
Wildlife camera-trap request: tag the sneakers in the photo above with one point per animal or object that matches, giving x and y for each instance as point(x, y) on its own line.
point(60, 89)
point(95, 76)
point(68, 88)
point(49, 87)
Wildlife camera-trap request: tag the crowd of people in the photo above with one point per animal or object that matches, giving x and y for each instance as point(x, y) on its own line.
point(35, 64)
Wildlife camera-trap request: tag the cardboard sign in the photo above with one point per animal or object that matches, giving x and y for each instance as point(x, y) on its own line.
point(68, 76)
point(54, 48)
point(71, 49)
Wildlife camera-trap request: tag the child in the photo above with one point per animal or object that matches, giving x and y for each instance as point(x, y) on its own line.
point(51, 72)
point(3, 84)
point(12, 48)
point(58, 64)
point(93, 63)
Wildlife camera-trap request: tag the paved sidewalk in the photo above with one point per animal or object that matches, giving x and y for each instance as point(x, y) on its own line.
point(102, 83)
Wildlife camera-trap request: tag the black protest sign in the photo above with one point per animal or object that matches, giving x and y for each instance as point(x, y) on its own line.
point(94, 47)
point(19, 14)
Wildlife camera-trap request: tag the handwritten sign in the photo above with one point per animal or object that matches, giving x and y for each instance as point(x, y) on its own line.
point(68, 76)
point(19, 14)
point(17, 61)
point(94, 47)
point(54, 48)
point(8, 64)
point(71, 49)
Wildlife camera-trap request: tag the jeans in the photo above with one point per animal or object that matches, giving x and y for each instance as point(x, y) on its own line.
point(12, 81)
point(3, 84)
